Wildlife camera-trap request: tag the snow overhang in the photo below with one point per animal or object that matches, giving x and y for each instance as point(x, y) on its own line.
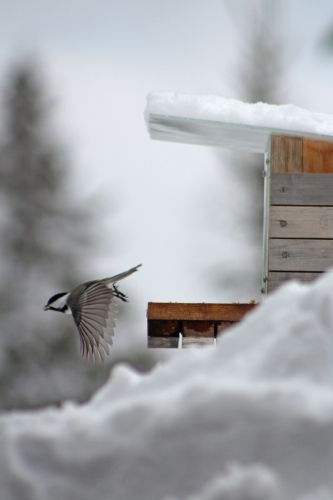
point(214, 121)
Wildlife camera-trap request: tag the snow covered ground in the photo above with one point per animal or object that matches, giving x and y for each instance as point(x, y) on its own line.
point(249, 420)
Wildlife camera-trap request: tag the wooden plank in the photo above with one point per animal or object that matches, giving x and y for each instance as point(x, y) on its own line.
point(163, 342)
point(193, 311)
point(317, 156)
point(276, 279)
point(197, 342)
point(300, 255)
point(301, 222)
point(286, 154)
point(302, 189)
point(163, 328)
point(198, 329)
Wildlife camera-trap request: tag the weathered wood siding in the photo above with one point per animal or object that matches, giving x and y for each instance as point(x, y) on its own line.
point(302, 189)
point(301, 209)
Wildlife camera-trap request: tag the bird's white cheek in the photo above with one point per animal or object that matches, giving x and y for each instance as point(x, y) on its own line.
point(68, 310)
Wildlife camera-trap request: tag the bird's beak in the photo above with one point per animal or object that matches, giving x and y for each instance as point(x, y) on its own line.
point(45, 308)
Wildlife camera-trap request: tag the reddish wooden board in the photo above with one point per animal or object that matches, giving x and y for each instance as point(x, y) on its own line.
point(197, 311)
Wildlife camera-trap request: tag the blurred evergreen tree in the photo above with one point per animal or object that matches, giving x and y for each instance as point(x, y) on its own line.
point(44, 237)
point(258, 77)
point(42, 241)
point(325, 42)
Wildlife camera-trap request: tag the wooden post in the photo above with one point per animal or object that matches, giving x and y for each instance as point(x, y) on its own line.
point(301, 213)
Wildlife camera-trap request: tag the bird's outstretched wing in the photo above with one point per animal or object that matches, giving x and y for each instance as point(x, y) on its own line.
point(94, 317)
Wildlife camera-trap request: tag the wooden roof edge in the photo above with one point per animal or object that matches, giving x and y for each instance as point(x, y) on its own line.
point(197, 311)
point(218, 133)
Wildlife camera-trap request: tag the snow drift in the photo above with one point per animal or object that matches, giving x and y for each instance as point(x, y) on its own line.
point(250, 419)
point(215, 108)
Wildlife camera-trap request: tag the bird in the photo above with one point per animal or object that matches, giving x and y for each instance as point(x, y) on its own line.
point(94, 311)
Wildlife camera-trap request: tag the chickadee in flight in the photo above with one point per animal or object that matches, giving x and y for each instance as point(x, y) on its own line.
point(94, 312)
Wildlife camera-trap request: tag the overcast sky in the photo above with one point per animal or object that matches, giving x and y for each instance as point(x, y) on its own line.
point(157, 200)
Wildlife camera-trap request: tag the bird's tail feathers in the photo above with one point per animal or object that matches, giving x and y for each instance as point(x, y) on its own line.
point(121, 276)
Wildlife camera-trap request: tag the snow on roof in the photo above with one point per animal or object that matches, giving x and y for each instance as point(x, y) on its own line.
point(251, 419)
point(215, 121)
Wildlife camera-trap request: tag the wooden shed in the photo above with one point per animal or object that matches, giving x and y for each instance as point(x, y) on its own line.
point(297, 148)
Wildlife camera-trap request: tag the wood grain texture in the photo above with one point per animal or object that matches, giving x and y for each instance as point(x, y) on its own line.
point(276, 279)
point(163, 342)
point(300, 255)
point(196, 342)
point(163, 328)
point(286, 154)
point(193, 311)
point(302, 189)
point(198, 328)
point(317, 156)
point(301, 222)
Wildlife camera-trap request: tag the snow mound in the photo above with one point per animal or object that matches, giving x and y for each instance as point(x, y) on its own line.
point(214, 108)
point(249, 420)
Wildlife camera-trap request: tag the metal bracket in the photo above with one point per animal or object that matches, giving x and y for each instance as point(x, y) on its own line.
point(267, 190)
